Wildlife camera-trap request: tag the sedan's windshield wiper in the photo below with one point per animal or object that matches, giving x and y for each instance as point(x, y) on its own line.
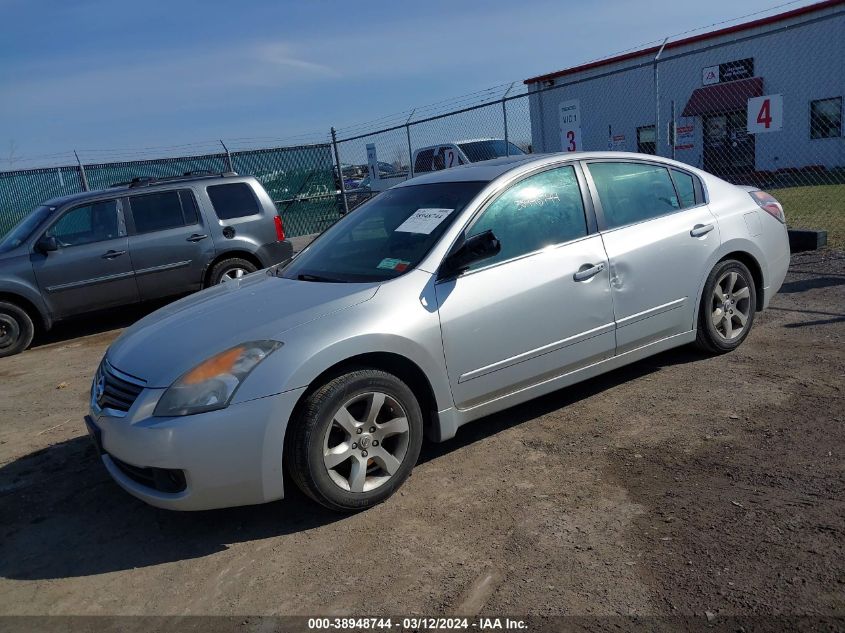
point(304, 277)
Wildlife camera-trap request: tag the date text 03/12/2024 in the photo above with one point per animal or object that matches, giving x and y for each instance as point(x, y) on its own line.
point(418, 623)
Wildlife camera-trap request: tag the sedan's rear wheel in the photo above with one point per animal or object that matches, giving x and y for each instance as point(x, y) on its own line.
point(355, 440)
point(727, 307)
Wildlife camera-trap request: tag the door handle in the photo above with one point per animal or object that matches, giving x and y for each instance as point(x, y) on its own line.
point(587, 273)
point(113, 254)
point(196, 237)
point(701, 229)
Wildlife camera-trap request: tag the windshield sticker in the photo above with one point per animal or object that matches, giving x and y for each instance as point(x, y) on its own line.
point(423, 221)
point(388, 263)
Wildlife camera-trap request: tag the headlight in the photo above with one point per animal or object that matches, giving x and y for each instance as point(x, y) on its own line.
point(211, 384)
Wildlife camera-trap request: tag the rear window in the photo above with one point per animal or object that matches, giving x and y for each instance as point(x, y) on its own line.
point(477, 151)
point(235, 200)
point(424, 161)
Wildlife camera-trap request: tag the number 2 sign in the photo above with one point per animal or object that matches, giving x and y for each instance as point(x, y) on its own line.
point(765, 114)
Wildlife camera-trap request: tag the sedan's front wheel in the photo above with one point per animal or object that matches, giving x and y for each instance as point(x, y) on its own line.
point(355, 440)
point(727, 307)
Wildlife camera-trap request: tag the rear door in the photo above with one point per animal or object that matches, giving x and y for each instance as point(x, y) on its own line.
point(92, 268)
point(169, 244)
point(659, 235)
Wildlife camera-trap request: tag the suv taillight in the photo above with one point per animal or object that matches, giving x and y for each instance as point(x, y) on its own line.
point(280, 228)
point(769, 204)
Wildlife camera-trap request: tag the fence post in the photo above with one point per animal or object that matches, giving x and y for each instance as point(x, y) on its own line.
point(339, 173)
point(82, 177)
point(657, 101)
point(505, 118)
point(229, 166)
point(410, 151)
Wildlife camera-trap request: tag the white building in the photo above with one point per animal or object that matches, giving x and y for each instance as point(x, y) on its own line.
point(761, 96)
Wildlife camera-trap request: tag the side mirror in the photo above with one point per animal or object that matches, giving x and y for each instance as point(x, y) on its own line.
point(47, 244)
point(474, 249)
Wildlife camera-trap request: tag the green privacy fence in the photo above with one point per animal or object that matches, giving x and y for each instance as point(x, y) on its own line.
point(300, 179)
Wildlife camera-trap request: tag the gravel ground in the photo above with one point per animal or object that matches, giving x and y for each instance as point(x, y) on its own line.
point(679, 485)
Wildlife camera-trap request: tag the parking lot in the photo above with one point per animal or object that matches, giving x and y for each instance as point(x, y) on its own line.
point(679, 485)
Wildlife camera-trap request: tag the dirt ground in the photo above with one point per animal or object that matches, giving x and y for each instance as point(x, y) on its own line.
point(679, 485)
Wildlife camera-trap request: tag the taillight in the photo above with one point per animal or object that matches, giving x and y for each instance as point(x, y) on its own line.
point(768, 203)
point(280, 228)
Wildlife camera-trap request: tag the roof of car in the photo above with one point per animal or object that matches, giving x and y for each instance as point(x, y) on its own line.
point(489, 170)
point(140, 187)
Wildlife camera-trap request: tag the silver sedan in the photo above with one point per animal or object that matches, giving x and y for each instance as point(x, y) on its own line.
point(440, 301)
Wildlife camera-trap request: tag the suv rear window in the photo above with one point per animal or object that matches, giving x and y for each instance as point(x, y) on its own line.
point(235, 200)
point(160, 211)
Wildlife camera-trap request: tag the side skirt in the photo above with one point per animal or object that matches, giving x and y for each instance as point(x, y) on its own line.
point(451, 419)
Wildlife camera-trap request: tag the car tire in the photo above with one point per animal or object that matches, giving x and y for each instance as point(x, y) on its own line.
point(230, 269)
point(16, 329)
point(369, 409)
point(727, 308)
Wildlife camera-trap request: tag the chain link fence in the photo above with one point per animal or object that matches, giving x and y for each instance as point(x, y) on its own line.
point(760, 105)
point(756, 104)
point(299, 179)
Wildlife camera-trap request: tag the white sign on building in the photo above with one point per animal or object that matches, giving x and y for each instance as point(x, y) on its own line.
point(570, 126)
point(765, 114)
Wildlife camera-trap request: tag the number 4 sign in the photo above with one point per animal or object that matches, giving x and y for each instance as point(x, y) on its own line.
point(765, 114)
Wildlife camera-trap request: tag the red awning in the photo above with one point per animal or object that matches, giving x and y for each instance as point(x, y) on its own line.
point(727, 97)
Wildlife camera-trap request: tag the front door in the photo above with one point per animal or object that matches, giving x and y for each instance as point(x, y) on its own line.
point(541, 307)
point(659, 235)
point(728, 147)
point(92, 268)
point(170, 246)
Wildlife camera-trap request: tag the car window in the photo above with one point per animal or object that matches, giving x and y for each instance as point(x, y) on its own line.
point(542, 210)
point(189, 206)
point(633, 192)
point(685, 186)
point(94, 222)
point(423, 161)
point(386, 236)
point(485, 150)
point(235, 200)
point(157, 211)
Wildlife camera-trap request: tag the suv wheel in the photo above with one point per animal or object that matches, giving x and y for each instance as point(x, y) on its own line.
point(727, 308)
point(355, 440)
point(16, 329)
point(230, 269)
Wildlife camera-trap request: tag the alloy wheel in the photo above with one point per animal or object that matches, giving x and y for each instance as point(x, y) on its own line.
point(366, 442)
point(232, 274)
point(730, 305)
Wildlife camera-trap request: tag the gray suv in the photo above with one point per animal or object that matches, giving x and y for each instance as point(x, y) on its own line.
point(140, 240)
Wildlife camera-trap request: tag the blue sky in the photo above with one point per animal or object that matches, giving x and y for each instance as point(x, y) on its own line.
point(135, 77)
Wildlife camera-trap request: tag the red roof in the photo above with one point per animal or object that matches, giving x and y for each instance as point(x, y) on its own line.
point(723, 97)
point(737, 28)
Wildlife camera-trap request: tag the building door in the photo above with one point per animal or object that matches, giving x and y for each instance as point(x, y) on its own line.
point(728, 147)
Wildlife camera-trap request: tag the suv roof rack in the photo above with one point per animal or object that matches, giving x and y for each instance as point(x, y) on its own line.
point(146, 181)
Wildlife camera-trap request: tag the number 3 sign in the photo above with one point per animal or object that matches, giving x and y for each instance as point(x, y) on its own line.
point(765, 114)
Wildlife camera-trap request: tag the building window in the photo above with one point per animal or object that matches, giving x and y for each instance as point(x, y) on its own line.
point(826, 118)
point(646, 143)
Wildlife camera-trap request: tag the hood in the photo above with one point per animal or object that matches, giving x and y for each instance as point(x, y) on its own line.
point(165, 344)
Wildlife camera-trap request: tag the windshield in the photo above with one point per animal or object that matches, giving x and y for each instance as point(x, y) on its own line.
point(485, 150)
point(23, 229)
point(385, 236)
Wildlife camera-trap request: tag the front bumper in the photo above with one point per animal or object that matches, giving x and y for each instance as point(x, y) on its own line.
point(229, 457)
